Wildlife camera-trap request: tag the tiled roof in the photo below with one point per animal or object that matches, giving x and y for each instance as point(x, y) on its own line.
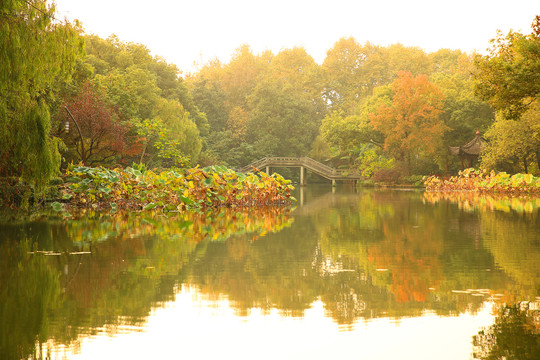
point(473, 147)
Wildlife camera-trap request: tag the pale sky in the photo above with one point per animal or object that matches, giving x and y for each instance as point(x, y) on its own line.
point(185, 32)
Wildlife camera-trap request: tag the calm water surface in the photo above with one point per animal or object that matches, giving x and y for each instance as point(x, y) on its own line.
point(364, 275)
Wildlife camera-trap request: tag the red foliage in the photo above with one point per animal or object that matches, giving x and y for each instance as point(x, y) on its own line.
point(104, 134)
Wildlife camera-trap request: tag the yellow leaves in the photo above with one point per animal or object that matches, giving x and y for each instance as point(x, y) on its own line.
point(528, 179)
point(481, 181)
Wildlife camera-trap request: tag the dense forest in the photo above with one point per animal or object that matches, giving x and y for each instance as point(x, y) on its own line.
point(390, 112)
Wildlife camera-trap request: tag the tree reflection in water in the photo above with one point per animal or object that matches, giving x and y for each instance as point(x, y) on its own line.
point(365, 255)
point(514, 335)
point(101, 272)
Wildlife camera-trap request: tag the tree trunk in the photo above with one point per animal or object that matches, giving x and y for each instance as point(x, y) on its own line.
point(144, 150)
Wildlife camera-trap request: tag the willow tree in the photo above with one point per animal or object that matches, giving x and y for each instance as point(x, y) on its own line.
point(36, 51)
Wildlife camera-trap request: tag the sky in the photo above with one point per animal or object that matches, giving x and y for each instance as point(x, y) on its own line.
point(191, 33)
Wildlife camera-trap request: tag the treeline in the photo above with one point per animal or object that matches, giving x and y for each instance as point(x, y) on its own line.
point(366, 106)
point(70, 97)
point(388, 111)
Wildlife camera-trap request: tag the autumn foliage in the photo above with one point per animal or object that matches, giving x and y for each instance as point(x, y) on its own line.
point(180, 189)
point(105, 136)
point(412, 258)
point(486, 182)
point(410, 122)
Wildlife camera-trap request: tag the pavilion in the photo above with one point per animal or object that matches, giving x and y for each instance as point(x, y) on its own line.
point(469, 152)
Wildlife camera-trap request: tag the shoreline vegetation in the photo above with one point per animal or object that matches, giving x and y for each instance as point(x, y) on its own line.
point(135, 188)
point(482, 181)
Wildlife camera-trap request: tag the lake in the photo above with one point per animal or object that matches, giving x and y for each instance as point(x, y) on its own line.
point(364, 274)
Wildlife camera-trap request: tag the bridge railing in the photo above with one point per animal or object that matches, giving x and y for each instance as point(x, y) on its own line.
point(256, 164)
point(325, 169)
point(313, 165)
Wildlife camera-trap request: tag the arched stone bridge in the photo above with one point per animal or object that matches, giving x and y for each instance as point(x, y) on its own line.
point(304, 163)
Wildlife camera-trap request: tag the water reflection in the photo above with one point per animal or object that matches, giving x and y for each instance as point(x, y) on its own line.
point(514, 335)
point(358, 256)
point(62, 279)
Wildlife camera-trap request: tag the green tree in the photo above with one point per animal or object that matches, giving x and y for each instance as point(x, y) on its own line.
point(509, 76)
point(407, 58)
point(184, 132)
point(241, 74)
point(211, 99)
point(151, 95)
point(343, 132)
point(173, 139)
point(446, 61)
point(298, 69)
point(281, 122)
point(352, 71)
point(464, 113)
point(509, 79)
point(346, 77)
point(36, 52)
point(514, 145)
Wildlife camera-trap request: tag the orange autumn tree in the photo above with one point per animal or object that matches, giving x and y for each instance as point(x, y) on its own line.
point(413, 258)
point(410, 122)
